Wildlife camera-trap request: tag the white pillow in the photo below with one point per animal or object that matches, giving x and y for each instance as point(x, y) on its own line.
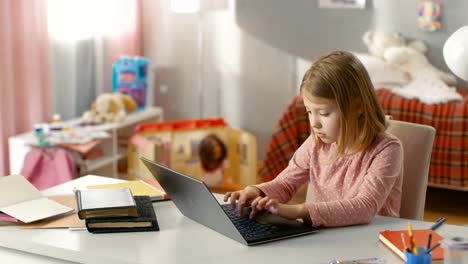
point(382, 74)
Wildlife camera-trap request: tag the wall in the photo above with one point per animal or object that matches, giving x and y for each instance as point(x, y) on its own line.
point(245, 53)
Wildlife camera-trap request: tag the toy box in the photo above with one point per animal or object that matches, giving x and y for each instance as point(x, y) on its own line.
point(129, 76)
point(175, 144)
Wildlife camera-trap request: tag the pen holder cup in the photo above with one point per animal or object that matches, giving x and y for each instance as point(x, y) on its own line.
point(421, 258)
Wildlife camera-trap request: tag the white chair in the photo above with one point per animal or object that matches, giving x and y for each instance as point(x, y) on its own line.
point(417, 142)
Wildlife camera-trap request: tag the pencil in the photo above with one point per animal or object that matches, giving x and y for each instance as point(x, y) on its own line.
point(432, 248)
point(438, 223)
point(404, 241)
point(429, 239)
point(413, 244)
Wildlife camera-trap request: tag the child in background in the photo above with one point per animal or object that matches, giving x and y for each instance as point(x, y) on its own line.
point(355, 168)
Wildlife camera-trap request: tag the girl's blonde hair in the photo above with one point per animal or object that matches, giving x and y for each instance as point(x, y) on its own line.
point(340, 76)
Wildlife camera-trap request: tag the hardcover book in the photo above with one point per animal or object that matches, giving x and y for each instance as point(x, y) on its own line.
point(392, 239)
point(100, 203)
point(146, 220)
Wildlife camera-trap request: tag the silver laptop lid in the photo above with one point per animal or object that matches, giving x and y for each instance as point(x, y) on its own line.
point(193, 198)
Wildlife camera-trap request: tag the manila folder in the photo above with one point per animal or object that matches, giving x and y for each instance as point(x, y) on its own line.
point(20, 199)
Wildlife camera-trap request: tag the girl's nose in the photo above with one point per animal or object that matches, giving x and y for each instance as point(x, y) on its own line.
point(314, 122)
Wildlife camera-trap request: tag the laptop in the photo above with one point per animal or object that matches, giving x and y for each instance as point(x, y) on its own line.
point(193, 198)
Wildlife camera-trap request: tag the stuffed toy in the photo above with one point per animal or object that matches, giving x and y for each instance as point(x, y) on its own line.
point(378, 43)
point(411, 59)
point(109, 108)
point(428, 83)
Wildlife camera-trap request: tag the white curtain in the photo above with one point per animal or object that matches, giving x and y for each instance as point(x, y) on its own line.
point(86, 37)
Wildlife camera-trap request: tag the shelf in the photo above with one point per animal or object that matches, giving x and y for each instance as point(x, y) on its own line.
point(19, 145)
point(130, 120)
point(99, 162)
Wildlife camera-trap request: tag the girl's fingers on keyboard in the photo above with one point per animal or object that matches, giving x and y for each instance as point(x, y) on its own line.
point(226, 196)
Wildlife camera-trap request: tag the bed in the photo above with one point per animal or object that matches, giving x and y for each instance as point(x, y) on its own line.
point(449, 162)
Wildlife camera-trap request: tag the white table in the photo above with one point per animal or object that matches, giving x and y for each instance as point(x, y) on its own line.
point(182, 240)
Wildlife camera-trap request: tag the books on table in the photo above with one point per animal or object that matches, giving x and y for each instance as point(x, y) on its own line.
point(101, 203)
point(21, 200)
point(145, 221)
point(138, 187)
point(115, 210)
point(392, 239)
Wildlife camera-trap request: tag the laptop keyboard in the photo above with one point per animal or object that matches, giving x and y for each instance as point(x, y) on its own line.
point(249, 228)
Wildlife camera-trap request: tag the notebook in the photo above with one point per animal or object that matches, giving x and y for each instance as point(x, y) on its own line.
point(96, 203)
point(195, 201)
point(146, 220)
point(392, 239)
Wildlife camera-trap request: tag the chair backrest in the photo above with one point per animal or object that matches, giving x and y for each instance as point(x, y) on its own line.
point(417, 142)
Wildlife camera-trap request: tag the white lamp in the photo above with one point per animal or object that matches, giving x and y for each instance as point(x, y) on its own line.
point(456, 52)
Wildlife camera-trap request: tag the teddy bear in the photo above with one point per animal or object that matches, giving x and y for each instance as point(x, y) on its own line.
point(109, 108)
point(428, 84)
point(411, 59)
point(379, 42)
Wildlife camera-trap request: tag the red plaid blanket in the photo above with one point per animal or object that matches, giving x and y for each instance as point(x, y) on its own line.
point(449, 162)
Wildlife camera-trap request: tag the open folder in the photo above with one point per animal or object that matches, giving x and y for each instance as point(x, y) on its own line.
point(21, 200)
point(138, 187)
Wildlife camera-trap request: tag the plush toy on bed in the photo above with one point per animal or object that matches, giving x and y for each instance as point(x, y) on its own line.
point(409, 58)
point(428, 84)
point(379, 41)
point(109, 107)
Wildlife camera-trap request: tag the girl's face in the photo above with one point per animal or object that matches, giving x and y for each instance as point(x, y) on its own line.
point(324, 118)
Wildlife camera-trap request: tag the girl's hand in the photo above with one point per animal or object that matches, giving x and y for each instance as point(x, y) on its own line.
point(288, 211)
point(264, 203)
point(244, 197)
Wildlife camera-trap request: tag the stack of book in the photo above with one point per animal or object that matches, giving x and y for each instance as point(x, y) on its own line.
point(115, 210)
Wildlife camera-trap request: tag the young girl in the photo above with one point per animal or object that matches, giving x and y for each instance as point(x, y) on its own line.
point(354, 167)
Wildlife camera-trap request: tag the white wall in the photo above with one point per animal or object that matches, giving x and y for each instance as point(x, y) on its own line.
point(244, 79)
point(252, 49)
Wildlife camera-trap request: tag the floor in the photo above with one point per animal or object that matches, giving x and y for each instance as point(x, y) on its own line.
point(451, 204)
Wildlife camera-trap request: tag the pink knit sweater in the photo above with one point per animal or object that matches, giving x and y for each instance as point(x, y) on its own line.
point(352, 190)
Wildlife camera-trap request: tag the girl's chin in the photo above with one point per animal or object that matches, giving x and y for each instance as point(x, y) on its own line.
point(326, 140)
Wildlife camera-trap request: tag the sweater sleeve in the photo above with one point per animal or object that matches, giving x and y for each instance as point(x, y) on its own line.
point(285, 185)
point(380, 178)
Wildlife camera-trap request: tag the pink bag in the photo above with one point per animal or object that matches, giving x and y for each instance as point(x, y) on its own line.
point(47, 167)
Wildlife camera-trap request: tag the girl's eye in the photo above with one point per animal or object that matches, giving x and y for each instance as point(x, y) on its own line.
point(309, 112)
point(324, 114)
